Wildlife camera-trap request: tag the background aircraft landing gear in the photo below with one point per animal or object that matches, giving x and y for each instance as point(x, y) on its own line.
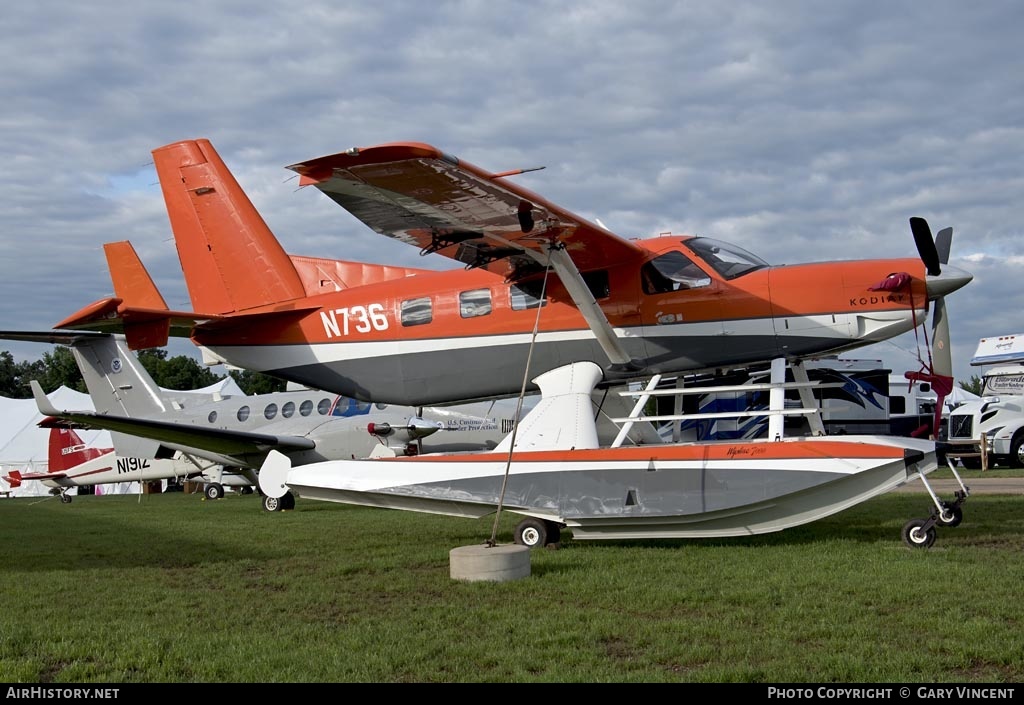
point(279, 504)
point(533, 532)
point(951, 514)
point(213, 490)
point(919, 533)
point(65, 498)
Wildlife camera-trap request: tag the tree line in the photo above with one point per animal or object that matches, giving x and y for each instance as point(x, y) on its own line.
point(181, 373)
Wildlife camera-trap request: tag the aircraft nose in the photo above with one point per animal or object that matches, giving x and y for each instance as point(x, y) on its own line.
point(951, 279)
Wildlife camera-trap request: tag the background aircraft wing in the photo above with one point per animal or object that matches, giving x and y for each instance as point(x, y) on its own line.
point(417, 194)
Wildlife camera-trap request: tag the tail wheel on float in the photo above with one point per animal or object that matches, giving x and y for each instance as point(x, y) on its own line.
point(533, 532)
point(919, 533)
point(279, 504)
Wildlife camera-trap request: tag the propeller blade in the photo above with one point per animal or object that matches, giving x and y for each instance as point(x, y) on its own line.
point(942, 357)
point(943, 241)
point(926, 245)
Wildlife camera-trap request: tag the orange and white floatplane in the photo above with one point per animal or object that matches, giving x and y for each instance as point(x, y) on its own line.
point(559, 476)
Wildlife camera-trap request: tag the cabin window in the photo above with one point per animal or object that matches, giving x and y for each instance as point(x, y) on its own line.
point(243, 413)
point(475, 303)
point(671, 272)
point(324, 407)
point(306, 408)
point(212, 418)
point(526, 295)
point(597, 282)
point(727, 259)
point(897, 405)
point(270, 411)
point(288, 410)
point(416, 312)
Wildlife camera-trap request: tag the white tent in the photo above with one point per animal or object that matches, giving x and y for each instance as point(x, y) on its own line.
point(25, 447)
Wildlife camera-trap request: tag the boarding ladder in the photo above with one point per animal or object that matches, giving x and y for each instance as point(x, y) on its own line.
point(775, 412)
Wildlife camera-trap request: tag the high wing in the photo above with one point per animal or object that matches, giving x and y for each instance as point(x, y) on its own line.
point(184, 437)
point(420, 195)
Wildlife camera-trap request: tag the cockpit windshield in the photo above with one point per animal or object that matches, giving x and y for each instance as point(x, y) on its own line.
point(728, 260)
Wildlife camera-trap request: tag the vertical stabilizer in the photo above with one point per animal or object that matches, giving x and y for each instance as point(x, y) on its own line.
point(119, 385)
point(132, 283)
point(117, 382)
point(231, 260)
point(67, 451)
point(144, 326)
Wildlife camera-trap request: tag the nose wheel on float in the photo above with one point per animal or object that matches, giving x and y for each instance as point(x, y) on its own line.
point(920, 533)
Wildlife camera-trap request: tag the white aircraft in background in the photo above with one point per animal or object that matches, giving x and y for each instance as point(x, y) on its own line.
point(237, 432)
point(74, 464)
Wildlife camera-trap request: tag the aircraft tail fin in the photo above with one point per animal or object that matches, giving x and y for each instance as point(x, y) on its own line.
point(67, 450)
point(132, 283)
point(137, 309)
point(231, 260)
point(115, 378)
point(137, 292)
point(118, 385)
point(13, 479)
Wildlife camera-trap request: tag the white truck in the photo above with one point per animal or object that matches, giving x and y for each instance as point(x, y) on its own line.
point(998, 416)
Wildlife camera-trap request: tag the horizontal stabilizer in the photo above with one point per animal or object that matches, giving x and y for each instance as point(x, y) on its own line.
point(142, 327)
point(54, 337)
point(15, 477)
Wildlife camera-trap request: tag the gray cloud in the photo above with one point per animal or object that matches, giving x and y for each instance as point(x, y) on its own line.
point(803, 131)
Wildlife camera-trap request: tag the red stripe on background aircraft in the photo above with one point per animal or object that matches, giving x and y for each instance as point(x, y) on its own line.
point(401, 335)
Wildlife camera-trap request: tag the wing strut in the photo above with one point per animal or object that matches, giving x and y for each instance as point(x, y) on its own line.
point(592, 313)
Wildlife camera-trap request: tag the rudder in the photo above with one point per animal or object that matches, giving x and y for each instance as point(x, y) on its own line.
point(231, 260)
point(67, 450)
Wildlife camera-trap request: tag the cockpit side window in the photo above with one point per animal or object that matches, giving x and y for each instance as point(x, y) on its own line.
point(672, 271)
point(727, 259)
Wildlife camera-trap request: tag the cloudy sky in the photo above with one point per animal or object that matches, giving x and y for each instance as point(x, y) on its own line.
point(803, 131)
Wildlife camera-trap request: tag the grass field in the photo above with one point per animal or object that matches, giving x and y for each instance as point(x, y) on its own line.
point(174, 588)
